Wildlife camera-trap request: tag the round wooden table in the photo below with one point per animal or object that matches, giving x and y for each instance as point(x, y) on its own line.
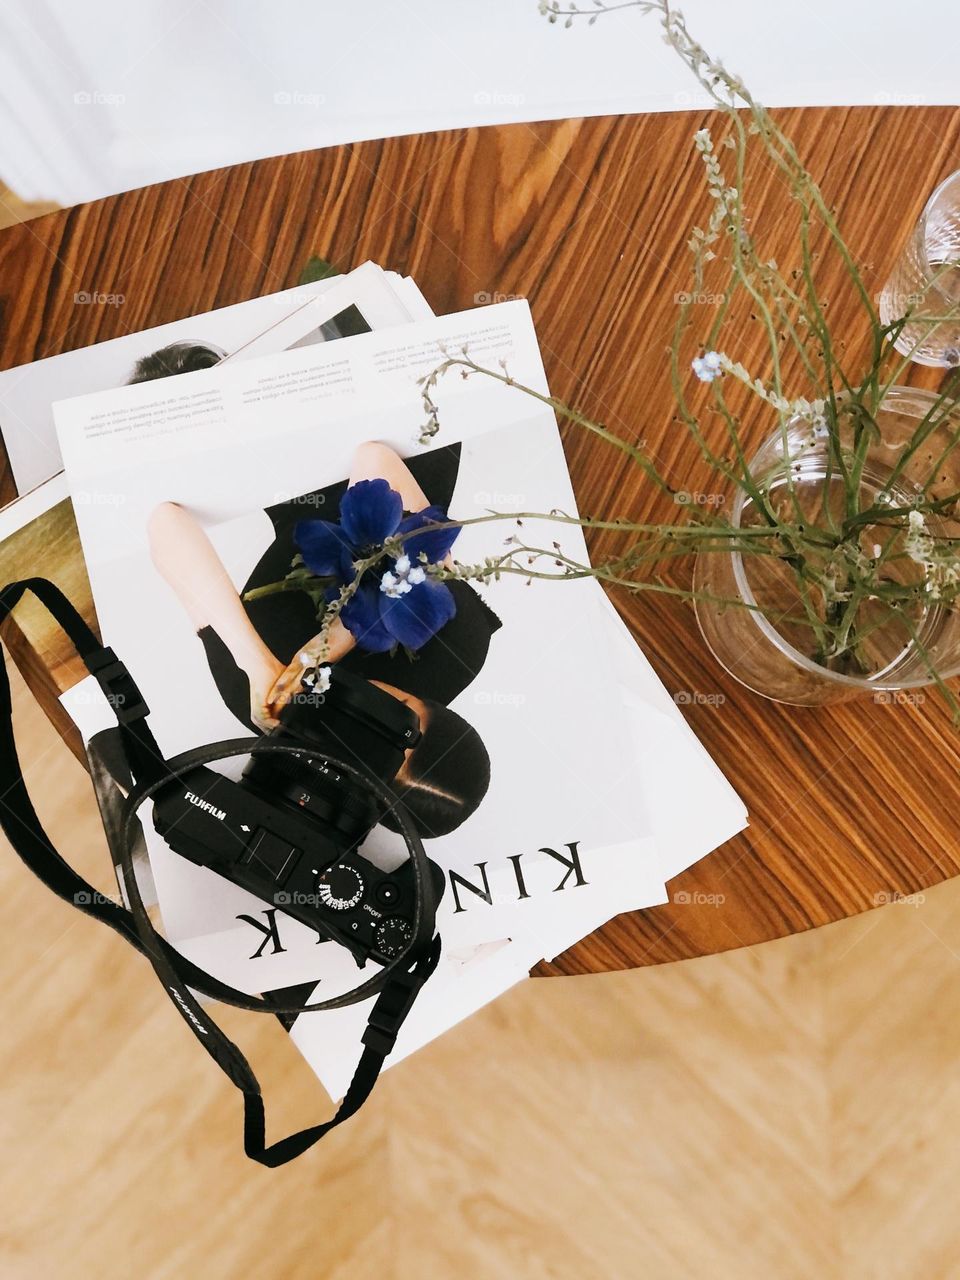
point(588, 219)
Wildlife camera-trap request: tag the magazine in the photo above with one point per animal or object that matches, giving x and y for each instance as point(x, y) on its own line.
point(534, 646)
point(212, 445)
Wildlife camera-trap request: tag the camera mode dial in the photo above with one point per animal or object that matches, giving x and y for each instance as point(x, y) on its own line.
point(340, 887)
point(392, 936)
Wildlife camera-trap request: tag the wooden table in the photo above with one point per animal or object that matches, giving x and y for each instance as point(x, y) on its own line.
point(588, 219)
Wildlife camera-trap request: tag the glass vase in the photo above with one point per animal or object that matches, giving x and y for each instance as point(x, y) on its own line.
point(925, 283)
point(743, 598)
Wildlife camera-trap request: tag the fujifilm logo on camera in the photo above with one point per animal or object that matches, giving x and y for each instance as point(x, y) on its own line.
point(205, 805)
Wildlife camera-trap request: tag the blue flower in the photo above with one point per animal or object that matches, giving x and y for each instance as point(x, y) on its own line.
point(396, 603)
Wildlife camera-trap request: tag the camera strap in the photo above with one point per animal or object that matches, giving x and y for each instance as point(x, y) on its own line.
point(396, 984)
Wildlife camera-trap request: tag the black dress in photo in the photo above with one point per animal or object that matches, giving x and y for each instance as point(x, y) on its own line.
point(439, 671)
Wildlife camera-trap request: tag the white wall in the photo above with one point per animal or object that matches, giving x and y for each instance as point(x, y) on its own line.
point(178, 86)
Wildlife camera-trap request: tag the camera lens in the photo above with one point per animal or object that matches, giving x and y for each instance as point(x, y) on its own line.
point(354, 721)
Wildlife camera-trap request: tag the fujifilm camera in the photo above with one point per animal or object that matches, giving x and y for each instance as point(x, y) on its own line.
point(291, 829)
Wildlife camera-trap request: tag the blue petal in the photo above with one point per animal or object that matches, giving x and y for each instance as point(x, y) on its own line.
point(412, 619)
point(370, 512)
point(434, 542)
point(325, 548)
point(361, 617)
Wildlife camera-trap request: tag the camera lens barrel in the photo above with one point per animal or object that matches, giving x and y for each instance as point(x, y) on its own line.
point(354, 720)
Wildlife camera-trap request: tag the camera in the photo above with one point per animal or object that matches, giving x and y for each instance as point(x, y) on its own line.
point(290, 829)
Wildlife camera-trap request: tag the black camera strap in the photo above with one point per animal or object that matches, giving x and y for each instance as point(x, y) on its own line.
point(397, 983)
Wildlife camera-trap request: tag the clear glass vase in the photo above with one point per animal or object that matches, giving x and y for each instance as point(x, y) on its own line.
point(777, 660)
point(925, 283)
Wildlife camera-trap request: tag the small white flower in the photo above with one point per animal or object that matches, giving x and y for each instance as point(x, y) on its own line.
point(393, 586)
point(315, 679)
point(707, 367)
point(402, 578)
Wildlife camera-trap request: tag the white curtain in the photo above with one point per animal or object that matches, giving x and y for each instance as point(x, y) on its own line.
point(101, 96)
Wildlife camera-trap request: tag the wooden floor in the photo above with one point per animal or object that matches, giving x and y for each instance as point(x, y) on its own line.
point(786, 1113)
point(14, 210)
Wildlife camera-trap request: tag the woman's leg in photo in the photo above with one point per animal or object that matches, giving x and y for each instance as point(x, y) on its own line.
point(187, 560)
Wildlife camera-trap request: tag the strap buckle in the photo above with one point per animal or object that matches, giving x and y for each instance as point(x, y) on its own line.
point(393, 1004)
point(119, 686)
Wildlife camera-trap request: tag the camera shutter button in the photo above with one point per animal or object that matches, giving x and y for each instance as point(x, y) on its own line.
point(387, 893)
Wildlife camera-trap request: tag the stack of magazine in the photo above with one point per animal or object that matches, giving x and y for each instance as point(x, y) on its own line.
point(581, 790)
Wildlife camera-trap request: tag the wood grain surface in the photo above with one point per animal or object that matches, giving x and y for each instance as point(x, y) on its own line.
point(588, 219)
point(720, 1120)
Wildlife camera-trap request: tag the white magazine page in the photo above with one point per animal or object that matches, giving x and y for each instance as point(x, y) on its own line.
point(673, 764)
point(614, 880)
point(365, 299)
point(22, 511)
point(330, 1040)
point(411, 295)
point(265, 408)
point(153, 455)
point(27, 392)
